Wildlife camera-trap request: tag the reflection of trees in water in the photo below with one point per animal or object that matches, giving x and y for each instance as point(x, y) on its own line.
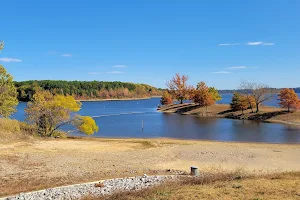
point(191, 127)
point(292, 133)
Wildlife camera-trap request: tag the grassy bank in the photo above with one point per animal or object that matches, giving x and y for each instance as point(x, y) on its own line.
point(267, 114)
point(221, 186)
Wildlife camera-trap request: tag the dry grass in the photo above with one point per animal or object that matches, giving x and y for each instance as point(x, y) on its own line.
point(220, 186)
point(293, 117)
point(14, 131)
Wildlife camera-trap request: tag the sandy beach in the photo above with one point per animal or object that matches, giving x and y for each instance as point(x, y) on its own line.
point(27, 166)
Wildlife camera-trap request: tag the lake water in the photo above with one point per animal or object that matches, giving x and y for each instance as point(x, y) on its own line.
point(123, 119)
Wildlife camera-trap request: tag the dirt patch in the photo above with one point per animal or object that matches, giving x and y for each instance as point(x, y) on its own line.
point(55, 162)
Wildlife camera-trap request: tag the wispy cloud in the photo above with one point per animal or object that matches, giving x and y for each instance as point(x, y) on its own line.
point(260, 43)
point(51, 52)
point(221, 72)
point(229, 44)
point(236, 67)
point(10, 60)
point(94, 73)
point(67, 55)
point(119, 66)
point(115, 72)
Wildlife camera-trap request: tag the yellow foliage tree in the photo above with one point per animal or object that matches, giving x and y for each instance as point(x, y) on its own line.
point(49, 112)
point(215, 94)
point(87, 125)
point(8, 92)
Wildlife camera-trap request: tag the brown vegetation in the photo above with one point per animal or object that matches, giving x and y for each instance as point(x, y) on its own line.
point(202, 96)
point(15, 131)
point(166, 99)
point(221, 186)
point(179, 88)
point(289, 99)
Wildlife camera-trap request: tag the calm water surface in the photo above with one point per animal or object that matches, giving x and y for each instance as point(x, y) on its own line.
point(123, 119)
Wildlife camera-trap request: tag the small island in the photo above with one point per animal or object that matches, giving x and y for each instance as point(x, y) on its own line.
point(247, 104)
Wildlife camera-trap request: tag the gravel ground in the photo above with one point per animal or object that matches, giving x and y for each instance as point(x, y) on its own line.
point(100, 188)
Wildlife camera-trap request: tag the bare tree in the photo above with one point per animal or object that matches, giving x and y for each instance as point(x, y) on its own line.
point(257, 92)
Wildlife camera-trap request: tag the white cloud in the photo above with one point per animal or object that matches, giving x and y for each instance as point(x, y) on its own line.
point(229, 44)
point(221, 72)
point(260, 43)
point(94, 73)
point(67, 55)
point(119, 66)
point(268, 43)
point(115, 72)
point(237, 67)
point(10, 60)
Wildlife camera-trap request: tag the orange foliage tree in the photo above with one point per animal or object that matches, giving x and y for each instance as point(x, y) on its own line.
point(179, 88)
point(202, 96)
point(166, 99)
point(289, 99)
point(239, 102)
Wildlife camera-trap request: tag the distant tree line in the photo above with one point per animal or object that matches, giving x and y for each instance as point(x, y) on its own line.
point(271, 90)
point(84, 90)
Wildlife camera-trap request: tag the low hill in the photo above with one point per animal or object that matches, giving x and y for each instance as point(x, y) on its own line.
point(83, 90)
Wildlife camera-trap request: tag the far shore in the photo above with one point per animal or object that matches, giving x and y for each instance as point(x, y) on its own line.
point(122, 99)
point(266, 114)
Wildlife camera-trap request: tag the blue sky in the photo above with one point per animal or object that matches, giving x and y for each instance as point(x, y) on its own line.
point(220, 42)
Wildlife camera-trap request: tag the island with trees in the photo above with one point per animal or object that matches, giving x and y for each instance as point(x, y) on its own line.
point(247, 102)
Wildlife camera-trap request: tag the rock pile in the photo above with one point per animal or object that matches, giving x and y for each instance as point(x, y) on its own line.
point(100, 188)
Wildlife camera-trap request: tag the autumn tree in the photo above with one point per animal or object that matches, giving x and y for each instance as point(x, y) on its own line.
point(215, 94)
point(289, 99)
point(259, 92)
point(166, 99)
point(49, 112)
point(239, 102)
point(8, 92)
point(179, 88)
point(202, 96)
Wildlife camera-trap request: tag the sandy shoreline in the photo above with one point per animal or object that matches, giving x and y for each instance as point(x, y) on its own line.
point(28, 166)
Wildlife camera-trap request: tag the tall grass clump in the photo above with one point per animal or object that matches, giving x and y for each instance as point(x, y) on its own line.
point(13, 130)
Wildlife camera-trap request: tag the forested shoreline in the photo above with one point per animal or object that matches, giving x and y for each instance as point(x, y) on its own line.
point(86, 90)
point(271, 90)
